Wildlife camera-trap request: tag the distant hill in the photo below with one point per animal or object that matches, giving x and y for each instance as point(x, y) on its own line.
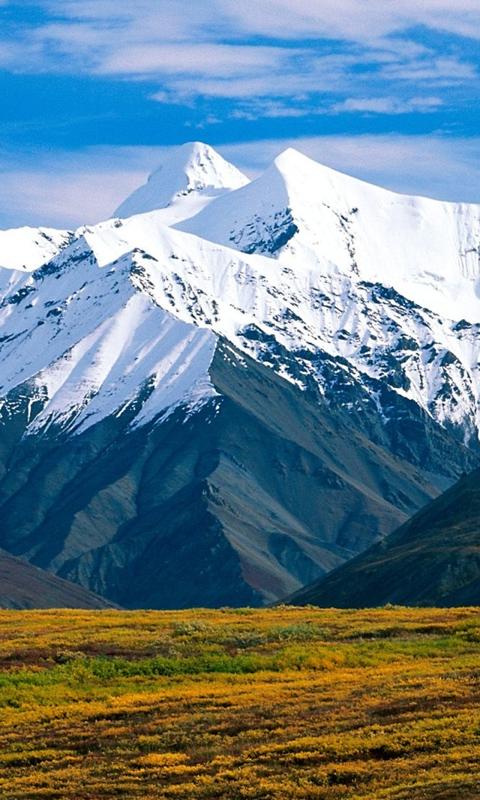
point(432, 560)
point(25, 586)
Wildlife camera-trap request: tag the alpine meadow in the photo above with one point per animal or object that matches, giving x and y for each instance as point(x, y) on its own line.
point(264, 704)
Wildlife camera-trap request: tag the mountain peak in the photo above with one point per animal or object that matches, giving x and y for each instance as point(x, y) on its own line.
point(290, 157)
point(297, 166)
point(193, 168)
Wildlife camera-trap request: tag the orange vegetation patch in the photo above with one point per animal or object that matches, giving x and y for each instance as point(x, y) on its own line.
point(276, 704)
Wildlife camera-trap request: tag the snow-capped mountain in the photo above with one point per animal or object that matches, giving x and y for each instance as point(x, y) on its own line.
point(363, 290)
point(217, 307)
point(188, 180)
point(397, 277)
point(313, 218)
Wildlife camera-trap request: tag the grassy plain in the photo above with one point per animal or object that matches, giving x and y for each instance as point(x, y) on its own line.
point(235, 704)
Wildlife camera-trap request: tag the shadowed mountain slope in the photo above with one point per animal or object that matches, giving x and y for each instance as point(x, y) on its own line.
point(257, 492)
point(432, 560)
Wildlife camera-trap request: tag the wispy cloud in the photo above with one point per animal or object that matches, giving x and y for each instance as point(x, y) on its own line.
point(355, 20)
point(388, 105)
point(193, 59)
point(297, 108)
point(444, 71)
point(203, 49)
point(273, 110)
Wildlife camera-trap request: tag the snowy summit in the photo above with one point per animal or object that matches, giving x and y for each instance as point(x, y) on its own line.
point(189, 177)
point(313, 259)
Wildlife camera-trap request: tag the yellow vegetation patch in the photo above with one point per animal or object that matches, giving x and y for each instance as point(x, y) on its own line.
point(277, 704)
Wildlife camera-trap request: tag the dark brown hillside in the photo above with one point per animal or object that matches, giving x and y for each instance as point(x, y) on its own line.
point(25, 586)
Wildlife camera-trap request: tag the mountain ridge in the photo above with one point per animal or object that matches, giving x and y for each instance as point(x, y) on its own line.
point(342, 224)
point(211, 287)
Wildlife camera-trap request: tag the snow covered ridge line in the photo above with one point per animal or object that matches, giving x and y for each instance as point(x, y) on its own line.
point(314, 218)
point(368, 329)
point(301, 265)
point(85, 343)
point(190, 177)
point(145, 325)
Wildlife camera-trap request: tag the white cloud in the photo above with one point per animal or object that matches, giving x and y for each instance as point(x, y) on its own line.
point(272, 110)
point(388, 105)
point(261, 109)
point(437, 70)
point(355, 20)
point(197, 59)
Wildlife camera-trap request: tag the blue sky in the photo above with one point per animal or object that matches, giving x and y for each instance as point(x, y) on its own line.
point(92, 92)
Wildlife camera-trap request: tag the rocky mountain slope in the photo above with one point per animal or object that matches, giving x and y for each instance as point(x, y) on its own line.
point(242, 499)
point(432, 560)
point(218, 400)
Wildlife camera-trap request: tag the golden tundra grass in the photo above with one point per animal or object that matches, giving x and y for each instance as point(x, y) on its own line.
point(259, 704)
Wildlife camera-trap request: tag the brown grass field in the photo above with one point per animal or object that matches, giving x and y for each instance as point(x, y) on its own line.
point(233, 704)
